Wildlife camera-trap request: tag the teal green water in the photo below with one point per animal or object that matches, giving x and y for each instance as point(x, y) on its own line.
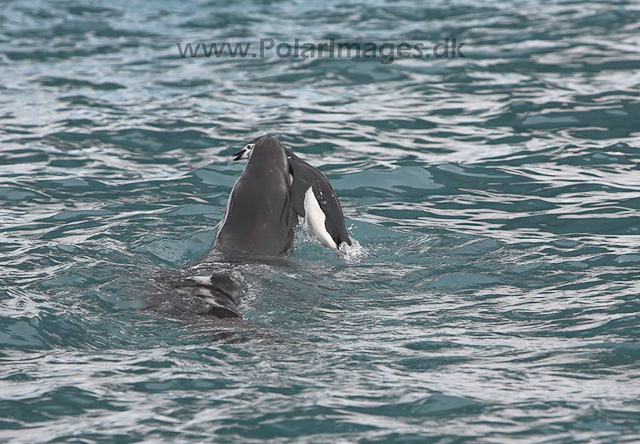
point(493, 294)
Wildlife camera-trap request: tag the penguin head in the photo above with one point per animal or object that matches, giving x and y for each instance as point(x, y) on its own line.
point(245, 152)
point(265, 143)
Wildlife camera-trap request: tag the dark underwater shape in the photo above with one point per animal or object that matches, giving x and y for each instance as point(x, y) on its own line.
point(219, 292)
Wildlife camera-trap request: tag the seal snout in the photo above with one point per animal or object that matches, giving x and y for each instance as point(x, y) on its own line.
point(267, 143)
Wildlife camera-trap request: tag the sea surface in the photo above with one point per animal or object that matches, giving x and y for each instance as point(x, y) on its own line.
point(493, 290)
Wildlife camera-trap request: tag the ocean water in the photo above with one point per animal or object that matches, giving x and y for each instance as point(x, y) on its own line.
point(493, 291)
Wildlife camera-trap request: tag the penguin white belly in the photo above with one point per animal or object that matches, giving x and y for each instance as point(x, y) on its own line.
point(315, 218)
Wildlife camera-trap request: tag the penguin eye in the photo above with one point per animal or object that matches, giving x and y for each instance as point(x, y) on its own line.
point(247, 149)
point(244, 153)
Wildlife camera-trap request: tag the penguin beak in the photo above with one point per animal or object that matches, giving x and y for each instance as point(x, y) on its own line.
point(239, 154)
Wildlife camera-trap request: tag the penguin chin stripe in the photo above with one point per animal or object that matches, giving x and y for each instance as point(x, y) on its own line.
point(315, 218)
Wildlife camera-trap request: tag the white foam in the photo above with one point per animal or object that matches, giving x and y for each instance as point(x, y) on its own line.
point(351, 253)
point(354, 252)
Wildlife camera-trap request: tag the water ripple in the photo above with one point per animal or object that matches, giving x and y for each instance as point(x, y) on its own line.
point(491, 293)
